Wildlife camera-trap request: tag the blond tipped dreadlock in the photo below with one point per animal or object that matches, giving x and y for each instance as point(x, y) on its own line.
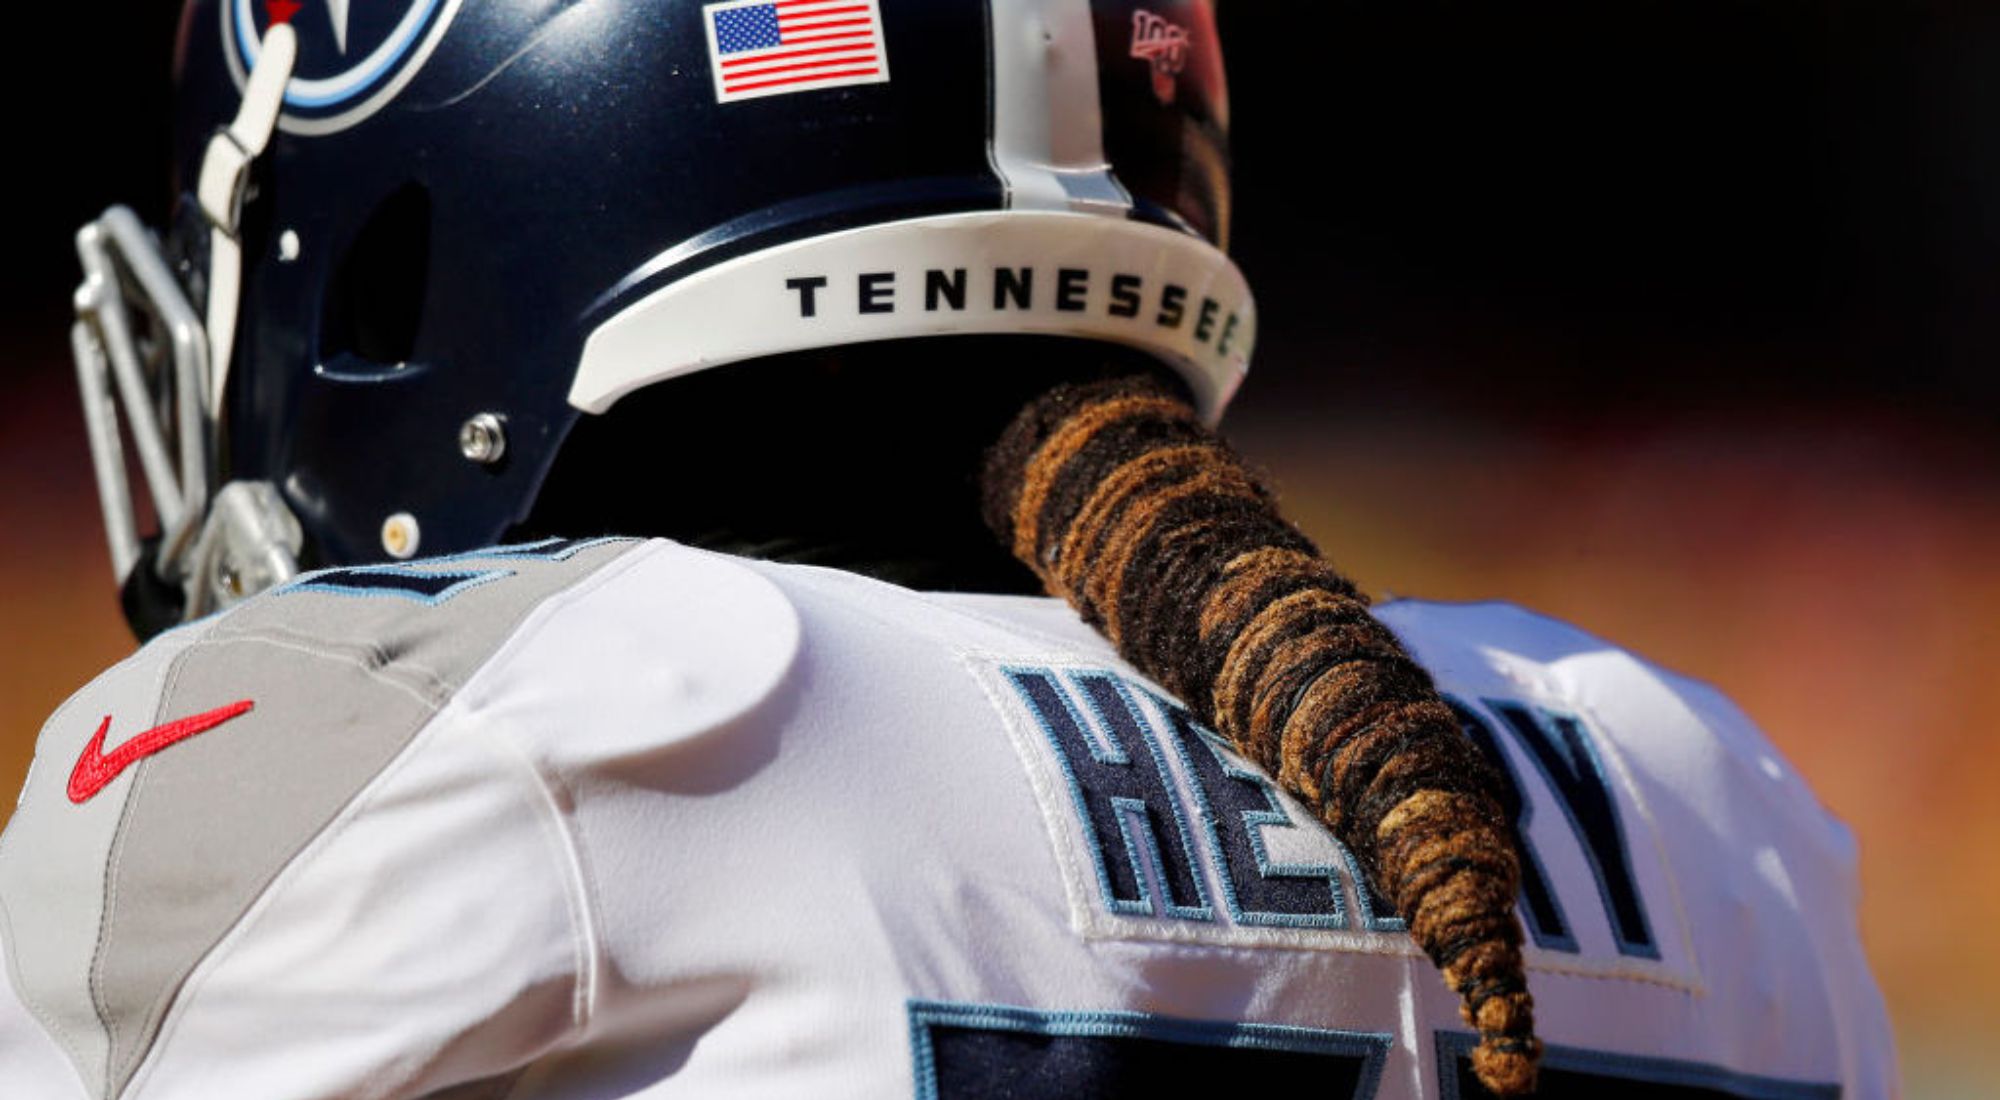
point(1126, 506)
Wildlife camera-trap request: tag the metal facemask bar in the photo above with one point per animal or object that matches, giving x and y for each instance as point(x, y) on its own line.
point(143, 350)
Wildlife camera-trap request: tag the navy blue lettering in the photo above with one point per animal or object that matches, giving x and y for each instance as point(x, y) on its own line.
point(1377, 914)
point(1120, 785)
point(1563, 751)
point(1545, 920)
point(1574, 1073)
point(1003, 1052)
point(1242, 804)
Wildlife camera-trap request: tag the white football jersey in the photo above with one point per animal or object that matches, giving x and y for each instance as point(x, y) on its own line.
point(607, 818)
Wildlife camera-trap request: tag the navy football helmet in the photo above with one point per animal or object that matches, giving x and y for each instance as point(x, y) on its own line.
point(416, 240)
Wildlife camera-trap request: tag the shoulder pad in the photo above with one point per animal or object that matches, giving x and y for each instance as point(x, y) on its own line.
point(170, 792)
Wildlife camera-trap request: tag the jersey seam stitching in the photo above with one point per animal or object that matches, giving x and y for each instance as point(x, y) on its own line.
point(63, 1035)
point(109, 895)
point(32, 1003)
point(575, 876)
point(587, 939)
point(204, 967)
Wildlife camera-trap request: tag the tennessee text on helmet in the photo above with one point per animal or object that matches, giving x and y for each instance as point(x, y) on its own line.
point(417, 240)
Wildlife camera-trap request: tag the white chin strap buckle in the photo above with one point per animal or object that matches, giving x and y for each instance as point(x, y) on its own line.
point(225, 172)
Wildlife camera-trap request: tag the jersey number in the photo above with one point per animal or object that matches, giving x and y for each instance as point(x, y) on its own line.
point(999, 1052)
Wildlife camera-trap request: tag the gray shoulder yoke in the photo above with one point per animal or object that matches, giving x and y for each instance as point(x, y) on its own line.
point(168, 794)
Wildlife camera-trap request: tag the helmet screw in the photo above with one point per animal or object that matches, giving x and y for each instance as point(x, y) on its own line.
point(483, 439)
point(400, 536)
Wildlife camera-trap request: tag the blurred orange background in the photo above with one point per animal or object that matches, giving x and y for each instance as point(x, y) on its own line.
point(1679, 322)
point(1835, 575)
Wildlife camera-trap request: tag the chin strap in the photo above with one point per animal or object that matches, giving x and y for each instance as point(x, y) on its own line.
point(225, 170)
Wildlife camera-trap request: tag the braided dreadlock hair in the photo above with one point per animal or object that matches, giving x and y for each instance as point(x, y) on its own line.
point(1105, 484)
point(1125, 505)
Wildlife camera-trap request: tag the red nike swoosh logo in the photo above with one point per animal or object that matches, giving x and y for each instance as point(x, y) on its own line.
point(95, 769)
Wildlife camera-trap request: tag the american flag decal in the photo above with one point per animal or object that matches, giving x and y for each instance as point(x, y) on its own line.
point(771, 47)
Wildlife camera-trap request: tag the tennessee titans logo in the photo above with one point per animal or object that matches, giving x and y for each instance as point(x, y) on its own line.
point(354, 55)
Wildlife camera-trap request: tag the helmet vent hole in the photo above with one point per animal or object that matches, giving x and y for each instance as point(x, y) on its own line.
point(375, 300)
